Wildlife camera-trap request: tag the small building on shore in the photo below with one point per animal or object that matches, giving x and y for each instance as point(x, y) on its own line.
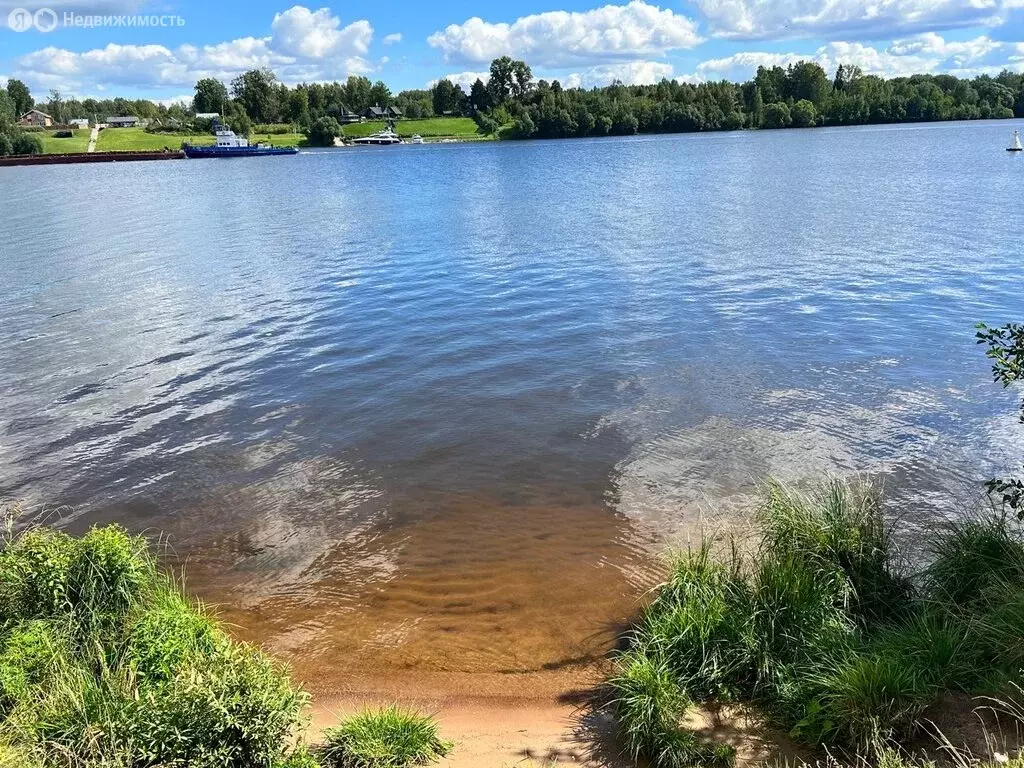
point(126, 121)
point(36, 118)
point(377, 112)
point(347, 116)
point(79, 122)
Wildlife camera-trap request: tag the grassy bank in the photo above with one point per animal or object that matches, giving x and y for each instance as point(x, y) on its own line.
point(77, 142)
point(128, 139)
point(823, 629)
point(104, 663)
point(137, 139)
point(429, 127)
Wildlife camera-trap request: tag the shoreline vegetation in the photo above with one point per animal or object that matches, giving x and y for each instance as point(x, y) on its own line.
point(819, 630)
point(511, 104)
point(816, 624)
point(105, 663)
point(824, 631)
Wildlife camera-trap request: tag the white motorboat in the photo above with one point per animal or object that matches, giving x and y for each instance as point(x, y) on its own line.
point(417, 139)
point(380, 138)
point(1015, 145)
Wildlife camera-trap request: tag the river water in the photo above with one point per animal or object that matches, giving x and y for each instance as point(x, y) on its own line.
point(426, 413)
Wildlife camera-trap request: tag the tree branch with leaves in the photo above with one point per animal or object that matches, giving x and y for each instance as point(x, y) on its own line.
point(1006, 350)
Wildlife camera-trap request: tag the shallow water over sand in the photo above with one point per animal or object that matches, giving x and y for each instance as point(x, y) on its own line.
point(425, 413)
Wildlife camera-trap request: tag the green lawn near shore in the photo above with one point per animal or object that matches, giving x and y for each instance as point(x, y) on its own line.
point(136, 139)
point(78, 142)
point(430, 127)
point(279, 139)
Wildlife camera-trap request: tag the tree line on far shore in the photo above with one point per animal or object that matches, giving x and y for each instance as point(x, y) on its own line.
point(801, 95)
point(512, 104)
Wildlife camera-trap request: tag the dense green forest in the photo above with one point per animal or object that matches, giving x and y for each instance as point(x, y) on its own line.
point(512, 104)
point(802, 95)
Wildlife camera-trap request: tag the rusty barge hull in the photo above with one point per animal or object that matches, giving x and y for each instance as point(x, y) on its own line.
point(90, 157)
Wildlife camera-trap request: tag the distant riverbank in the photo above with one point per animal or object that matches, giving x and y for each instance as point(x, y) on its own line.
point(139, 139)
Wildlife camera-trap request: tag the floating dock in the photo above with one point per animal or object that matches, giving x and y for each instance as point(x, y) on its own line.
point(91, 157)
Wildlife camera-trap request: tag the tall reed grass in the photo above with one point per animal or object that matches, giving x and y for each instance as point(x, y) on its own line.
point(823, 627)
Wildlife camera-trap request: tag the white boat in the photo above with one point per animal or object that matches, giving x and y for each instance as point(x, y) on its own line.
point(417, 139)
point(380, 138)
point(1015, 145)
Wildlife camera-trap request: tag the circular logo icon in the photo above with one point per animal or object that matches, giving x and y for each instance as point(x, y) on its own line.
point(45, 19)
point(19, 20)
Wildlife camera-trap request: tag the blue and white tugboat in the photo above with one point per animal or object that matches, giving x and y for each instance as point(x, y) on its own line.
point(230, 145)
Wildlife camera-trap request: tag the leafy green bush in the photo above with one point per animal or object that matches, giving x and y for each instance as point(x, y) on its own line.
point(24, 142)
point(234, 707)
point(323, 132)
point(386, 738)
point(166, 637)
point(300, 757)
point(31, 651)
point(103, 662)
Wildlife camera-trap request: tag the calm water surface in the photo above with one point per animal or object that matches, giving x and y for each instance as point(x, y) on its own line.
point(426, 411)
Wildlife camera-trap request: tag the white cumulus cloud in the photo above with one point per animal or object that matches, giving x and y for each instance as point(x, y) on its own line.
point(846, 19)
point(963, 52)
point(318, 34)
point(627, 72)
point(561, 38)
point(741, 66)
point(181, 98)
point(303, 45)
point(394, 37)
point(464, 80)
point(921, 54)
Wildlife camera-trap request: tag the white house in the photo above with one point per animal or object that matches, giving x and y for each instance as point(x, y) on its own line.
point(79, 122)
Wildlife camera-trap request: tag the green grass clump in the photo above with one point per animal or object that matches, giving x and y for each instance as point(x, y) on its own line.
point(104, 663)
point(651, 704)
point(840, 527)
point(972, 558)
point(385, 738)
point(821, 627)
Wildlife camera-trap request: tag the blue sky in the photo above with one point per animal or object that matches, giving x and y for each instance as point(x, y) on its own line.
point(409, 43)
